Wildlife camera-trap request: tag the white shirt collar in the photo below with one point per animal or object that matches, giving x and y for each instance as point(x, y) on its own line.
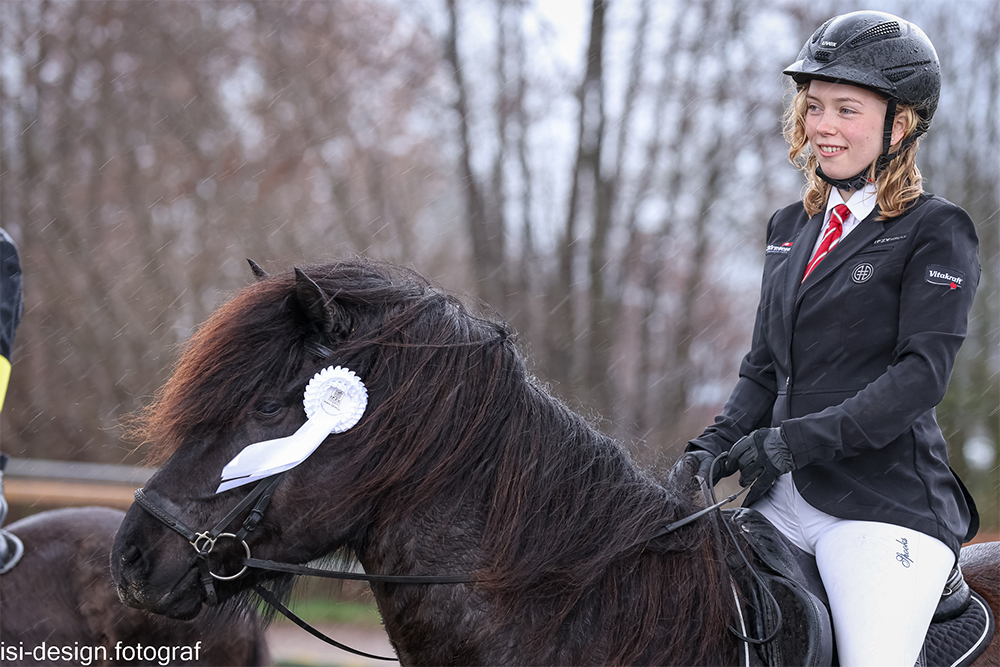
point(861, 203)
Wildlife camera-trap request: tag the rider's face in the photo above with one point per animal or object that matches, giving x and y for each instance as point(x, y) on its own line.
point(844, 127)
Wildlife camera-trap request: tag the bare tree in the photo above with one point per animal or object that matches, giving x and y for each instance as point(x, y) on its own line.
point(149, 148)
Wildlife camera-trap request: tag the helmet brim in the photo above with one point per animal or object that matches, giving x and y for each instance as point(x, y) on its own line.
point(803, 71)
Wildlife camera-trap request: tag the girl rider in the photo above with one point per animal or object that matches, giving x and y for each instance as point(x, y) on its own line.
point(867, 287)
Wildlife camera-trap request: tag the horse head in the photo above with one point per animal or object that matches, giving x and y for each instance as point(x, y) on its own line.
point(241, 381)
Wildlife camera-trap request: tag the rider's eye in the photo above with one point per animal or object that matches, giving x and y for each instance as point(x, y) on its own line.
point(268, 408)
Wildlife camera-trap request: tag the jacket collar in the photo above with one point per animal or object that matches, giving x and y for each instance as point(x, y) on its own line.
point(861, 203)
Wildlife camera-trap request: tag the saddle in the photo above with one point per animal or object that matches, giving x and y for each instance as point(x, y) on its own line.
point(11, 548)
point(799, 630)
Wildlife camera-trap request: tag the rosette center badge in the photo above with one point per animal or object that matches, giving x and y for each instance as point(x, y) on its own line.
point(336, 394)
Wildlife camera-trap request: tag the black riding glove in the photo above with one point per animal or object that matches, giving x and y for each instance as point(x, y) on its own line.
point(705, 459)
point(763, 456)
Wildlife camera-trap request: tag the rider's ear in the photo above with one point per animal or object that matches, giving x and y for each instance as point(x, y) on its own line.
point(326, 315)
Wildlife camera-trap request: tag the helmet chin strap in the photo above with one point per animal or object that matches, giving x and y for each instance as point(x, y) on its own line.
point(853, 183)
point(858, 181)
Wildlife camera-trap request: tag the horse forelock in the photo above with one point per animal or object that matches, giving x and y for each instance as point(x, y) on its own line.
point(256, 341)
point(221, 367)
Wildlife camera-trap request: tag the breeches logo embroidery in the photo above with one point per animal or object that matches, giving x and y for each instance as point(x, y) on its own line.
point(904, 555)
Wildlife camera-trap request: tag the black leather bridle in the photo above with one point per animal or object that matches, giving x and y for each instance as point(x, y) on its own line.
point(260, 497)
point(257, 500)
point(204, 542)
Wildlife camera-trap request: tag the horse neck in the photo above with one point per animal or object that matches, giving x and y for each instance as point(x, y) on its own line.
point(429, 624)
point(500, 623)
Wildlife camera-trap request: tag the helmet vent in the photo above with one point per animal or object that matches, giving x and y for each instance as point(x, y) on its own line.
point(822, 56)
point(899, 74)
point(887, 29)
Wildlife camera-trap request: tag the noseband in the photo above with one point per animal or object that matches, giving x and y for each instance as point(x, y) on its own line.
point(204, 542)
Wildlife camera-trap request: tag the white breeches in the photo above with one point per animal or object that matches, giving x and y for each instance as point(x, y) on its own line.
point(883, 581)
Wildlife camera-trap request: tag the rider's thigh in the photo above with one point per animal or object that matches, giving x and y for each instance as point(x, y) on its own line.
point(883, 582)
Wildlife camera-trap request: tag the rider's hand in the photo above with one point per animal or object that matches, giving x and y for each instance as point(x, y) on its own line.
point(705, 459)
point(763, 456)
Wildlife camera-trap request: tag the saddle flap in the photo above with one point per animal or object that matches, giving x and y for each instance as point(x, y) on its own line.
point(802, 634)
point(957, 642)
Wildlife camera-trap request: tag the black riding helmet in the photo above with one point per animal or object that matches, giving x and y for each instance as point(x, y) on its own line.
point(882, 53)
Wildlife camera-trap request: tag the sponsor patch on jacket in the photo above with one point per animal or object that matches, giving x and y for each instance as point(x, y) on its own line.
point(942, 275)
point(888, 239)
point(782, 249)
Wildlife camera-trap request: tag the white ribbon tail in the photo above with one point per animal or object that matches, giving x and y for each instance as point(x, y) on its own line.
point(263, 459)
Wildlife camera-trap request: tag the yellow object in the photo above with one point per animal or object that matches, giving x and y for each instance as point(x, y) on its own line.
point(4, 376)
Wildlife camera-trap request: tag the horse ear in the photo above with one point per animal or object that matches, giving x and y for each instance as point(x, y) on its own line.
point(324, 312)
point(258, 273)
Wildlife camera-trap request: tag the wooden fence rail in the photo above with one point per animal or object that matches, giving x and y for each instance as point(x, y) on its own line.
point(37, 484)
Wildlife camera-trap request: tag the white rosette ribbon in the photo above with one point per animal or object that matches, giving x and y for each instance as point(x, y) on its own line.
point(334, 401)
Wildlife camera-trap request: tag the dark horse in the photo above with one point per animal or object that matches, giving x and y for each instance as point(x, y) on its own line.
point(462, 464)
point(60, 595)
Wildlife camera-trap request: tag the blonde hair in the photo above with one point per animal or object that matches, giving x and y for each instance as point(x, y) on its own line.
point(898, 185)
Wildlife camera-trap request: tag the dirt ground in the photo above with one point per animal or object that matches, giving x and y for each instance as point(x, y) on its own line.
point(290, 645)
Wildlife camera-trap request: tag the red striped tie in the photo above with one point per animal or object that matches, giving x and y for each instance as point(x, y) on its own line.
point(830, 237)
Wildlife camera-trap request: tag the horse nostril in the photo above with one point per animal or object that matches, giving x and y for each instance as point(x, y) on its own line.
point(131, 555)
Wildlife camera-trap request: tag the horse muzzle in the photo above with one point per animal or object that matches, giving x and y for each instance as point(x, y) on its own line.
point(149, 572)
point(132, 563)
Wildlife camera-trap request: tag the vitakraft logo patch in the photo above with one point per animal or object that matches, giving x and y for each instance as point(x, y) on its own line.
point(943, 275)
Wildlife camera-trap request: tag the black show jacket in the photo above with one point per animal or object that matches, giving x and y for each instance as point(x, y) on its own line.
point(852, 362)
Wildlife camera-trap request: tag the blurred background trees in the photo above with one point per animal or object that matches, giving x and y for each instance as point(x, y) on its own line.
point(600, 173)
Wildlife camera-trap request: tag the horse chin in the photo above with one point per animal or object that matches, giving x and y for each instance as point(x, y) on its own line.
point(181, 601)
point(184, 614)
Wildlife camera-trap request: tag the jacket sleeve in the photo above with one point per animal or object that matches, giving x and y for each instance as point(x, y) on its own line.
point(750, 404)
point(933, 321)
point(10, 293)
point(10, 306)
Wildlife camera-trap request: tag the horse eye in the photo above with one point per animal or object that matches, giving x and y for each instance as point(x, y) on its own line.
point(268, 408)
